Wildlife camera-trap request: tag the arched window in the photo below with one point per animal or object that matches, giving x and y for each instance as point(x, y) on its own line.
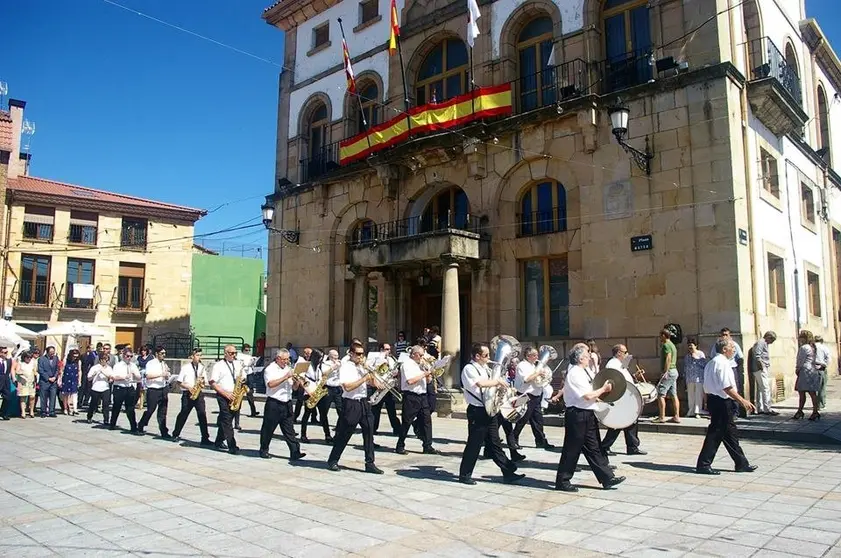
point(317, 130)
point(790, 76)
point(823, 125)
point(627, 32)
point(443, 74)
point(449, 209)
point(363, 232)
point(543, 209)
point(753, 33)
point(367, 102)
point(534, 46)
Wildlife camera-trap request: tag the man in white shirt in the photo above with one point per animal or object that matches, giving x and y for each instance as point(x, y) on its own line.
point(581, 428)
point(822, 359)
point(247, 361)
point(722, 398)
point(223, 379)
point(191, 373)
point(355, 379)
point(100, 376)
point(300, 395)
point(126, 375)
point(388, 401)
point(329, 367)
point(157, 393)
point(480, 427)
point(632, 439)
point(280, 385)
point(415, 402)
point(736, 362)
point(524, 383)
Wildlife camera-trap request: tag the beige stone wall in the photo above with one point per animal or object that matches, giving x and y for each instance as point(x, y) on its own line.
point(168, 273)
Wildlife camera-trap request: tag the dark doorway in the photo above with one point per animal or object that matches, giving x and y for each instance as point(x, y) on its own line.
point(425, 311)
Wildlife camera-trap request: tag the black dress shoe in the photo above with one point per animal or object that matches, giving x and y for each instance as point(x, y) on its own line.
point(610, 453)
point(328, 440)
point(332, 466)
point(637, 452)
point(254, 414)
point(233, 451)
point(566, 487)
point(297, 456)
point(517, 457)
point(222, 447)
point(265, 455)
point(513, 477)
point(748, 469)
point(166, 437)
point(613, 482)
point(400, 450)
point(373, 469)
point(206, 442)
point(176, 438)
point(305, 440)
point(516, 446)
point(431, 451)
point(466, 480)
point(706, 471)
point(547, 446)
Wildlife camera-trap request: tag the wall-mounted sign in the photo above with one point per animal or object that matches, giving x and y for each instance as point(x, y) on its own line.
point(640, 243)
point(743, 237)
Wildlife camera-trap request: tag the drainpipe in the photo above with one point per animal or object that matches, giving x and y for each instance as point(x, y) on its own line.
point(794, 256)
point(10, 198)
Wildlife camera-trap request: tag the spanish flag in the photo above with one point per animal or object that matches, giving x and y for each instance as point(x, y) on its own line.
point(395, 29)
point(351, 79)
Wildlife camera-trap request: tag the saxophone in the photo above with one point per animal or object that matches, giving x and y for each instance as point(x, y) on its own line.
point(320, 389)
point(197, 388)
point(240, 391)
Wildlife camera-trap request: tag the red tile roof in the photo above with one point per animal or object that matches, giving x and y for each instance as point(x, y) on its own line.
point(119, 203)
point(5, 131)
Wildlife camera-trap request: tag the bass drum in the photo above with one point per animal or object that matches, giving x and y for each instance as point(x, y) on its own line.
point(647, 391)
point(622, 413)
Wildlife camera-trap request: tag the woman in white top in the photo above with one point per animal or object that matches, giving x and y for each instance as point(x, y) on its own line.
point(100, 376)
point(25, 378)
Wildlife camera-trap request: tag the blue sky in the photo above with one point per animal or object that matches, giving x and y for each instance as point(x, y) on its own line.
point(126, 104)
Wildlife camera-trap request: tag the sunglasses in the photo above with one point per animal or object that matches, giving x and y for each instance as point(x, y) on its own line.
point(358, 354)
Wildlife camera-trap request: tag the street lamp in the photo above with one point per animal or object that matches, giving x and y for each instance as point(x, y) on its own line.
point(267, 210)
point(619, 115)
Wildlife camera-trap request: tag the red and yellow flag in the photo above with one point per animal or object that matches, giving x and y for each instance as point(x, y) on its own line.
point(351, 79)
point(395, 29)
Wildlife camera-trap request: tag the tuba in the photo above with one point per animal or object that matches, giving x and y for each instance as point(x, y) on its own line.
point(546, 353)
point(504, 348)
point(383, 374)
point(240, 391)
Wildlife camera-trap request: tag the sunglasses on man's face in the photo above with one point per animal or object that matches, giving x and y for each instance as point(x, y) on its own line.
point(358, 354)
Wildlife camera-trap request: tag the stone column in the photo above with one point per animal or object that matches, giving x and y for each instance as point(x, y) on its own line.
point(450, 318)
point(359, 325)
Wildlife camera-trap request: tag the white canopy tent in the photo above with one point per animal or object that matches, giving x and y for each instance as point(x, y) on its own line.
point(72, 330)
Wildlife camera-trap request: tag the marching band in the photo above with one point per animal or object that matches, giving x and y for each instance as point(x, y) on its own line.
point(358, 384)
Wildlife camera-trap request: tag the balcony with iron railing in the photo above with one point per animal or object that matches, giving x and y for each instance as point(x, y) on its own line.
point(38, 231)
point(624, 71)
point(541, 222)
point(131, 299)
point(418, 239)
point(132, 238)
point(774, 90)
point(82, 234)
point(33, 293)
point(320, 162)
point(74, 303)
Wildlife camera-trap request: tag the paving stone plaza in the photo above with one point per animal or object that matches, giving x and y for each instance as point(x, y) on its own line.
point(70, 489)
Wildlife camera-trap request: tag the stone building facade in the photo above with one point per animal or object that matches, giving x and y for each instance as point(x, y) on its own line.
point(121, 263)
point(537, 222)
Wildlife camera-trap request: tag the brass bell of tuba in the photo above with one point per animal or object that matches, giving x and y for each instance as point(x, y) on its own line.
point(546, 353)
point(504, 348)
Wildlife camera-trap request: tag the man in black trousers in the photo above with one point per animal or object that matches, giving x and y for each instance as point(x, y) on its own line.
point(223, 379)
point(387, 401)
point(415, 403)
point(191, 373)
point(723, 400)
point(5, 382)
point(482, 428)
point(280, 385)
point(581, 426)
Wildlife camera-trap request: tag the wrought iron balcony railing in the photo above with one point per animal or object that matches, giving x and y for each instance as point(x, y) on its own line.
point(322, 161)
point(541, 222)
point(415, 226)
point(766, 61)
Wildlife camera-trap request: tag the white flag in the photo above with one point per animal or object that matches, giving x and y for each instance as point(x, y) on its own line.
point(551, 61)
point(473, 14)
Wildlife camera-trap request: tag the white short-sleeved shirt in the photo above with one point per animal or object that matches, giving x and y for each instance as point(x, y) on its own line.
point(333, 375)
point(616, 364)
point(410, 369)
point(350, 372)
point(155, 366)
point(246, 361)
point(126, 375)
point(471, 374)
point(99, 377)
point(524, 370)
point(283, 391)
point(224, 374)
point(718, 375)
point(578, 383)
point(821, 354)
point(188, 375)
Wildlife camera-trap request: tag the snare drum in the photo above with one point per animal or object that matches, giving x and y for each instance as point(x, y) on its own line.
point(647, 391)
point(624, 412)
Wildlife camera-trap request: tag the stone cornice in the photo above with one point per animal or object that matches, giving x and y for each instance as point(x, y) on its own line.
point(291, 13)
point(824, 54)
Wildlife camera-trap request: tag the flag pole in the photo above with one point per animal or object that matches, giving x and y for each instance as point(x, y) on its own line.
point(405, 89)
point(394, 42)
point(352, 80)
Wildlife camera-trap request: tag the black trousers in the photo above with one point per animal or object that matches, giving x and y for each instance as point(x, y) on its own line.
point(415, 405)
point(224, 424)
point(157, 399)
point(84, 389)
point(249, 381)
point(49, 391)
point(391, 408)
point(5, 393)
point(722, 428)
point(508, 430)
point(582, 436)
point(310, 415)
point(123, 398)
point(483, 430)
point(632, 438)
point(188, 405)
point(323, 406)
point(298, 396)
point(355, 412)
point(534, 417)
point(334, 396)
point(278, 413)
point(98, 397)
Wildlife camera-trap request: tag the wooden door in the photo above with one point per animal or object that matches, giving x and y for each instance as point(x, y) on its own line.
point(128, 336)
